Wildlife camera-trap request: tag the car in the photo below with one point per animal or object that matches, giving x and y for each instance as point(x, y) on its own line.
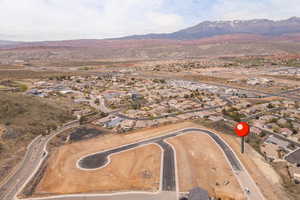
point(247, 190)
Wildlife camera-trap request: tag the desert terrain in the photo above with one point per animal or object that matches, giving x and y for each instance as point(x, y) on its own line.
point(139, 169)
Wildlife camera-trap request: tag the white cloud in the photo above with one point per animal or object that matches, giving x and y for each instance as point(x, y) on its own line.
point(71, 19)
point(254, 9)
point(160, 20)
point(66, 19)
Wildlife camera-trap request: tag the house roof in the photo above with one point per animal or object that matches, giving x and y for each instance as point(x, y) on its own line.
point(294, 157)
point(273, 140)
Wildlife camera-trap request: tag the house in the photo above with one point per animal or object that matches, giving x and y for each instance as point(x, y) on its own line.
point(183, 116)
point(127, 125)
point(285, 132)
point(255, 130)
point(272, 126)
point(66, 91)
point(259, 81)
point(136, 96)
point(267, 117)
point(81, 100)
point(274, 140)
point(215, 118)
point(35, 92)
point(258, 123)
point(294, 157)
point(271, 151)
point(282, 122)
point(140, 124)
point(114, 122)
point(204, 114)
point(198, 194)
point(289, 104)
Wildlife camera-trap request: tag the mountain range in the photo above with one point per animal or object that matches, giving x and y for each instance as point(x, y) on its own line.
point(263, 27)
point(218, 38)
point(207, 29)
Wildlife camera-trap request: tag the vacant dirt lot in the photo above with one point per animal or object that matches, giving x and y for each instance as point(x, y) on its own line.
point(63, 177)
point(201, 163)
point(137, 169)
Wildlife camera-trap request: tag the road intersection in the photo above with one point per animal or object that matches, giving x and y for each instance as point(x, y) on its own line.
point(37, 153)
point(169, 181)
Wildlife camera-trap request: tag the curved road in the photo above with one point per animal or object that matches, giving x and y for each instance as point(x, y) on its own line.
point(101, 159)
point(169, 189)
point(35, 155)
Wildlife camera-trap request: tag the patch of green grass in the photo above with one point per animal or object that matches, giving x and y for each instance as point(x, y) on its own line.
point(22, 87)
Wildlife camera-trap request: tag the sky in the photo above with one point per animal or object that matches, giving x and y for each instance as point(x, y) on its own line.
point(39, 20)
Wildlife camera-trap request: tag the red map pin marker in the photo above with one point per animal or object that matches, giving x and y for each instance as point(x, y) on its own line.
point(242, 129)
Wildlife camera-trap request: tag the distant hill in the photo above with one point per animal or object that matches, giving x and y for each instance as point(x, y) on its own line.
point(4, 43)
point(205, 29)
point(220, 38)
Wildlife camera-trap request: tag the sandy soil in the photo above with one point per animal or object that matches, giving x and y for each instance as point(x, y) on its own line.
point(63, 177)
point(137, 169)
point(201, 163)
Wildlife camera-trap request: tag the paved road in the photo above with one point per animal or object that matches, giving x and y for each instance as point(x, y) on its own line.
point(164, 116)
point(263, 94)
point(34, 156)
point(169, 172)
point(261, 113)
point(169, 183)
point(168, 178)
point(102, 107)
point(290, 91)
point(100, 159)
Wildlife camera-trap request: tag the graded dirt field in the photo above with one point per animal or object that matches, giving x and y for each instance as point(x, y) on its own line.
point(201, 163)
point(127, 171)
point(137, 169)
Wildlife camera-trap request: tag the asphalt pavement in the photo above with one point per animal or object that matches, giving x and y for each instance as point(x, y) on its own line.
point(101, 159)
point(35, 155)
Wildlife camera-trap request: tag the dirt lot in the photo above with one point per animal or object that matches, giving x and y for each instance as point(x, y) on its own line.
point(62, 176)
point(137, 169)
point(207, 166)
